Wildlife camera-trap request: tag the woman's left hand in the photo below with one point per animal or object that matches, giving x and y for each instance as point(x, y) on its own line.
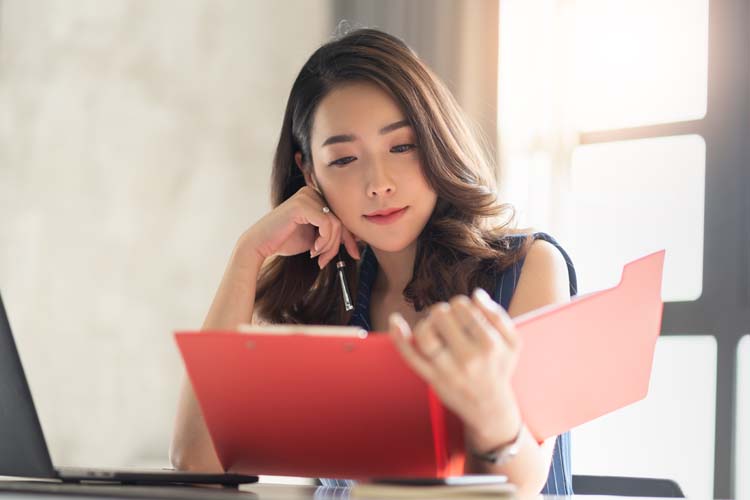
point(467, 350)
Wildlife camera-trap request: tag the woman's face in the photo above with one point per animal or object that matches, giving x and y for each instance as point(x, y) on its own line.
point(364, 159)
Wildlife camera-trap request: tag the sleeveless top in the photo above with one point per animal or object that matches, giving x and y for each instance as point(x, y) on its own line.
point(560, 479)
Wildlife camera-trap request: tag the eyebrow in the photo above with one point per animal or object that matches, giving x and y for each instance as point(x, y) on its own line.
point(351, 137)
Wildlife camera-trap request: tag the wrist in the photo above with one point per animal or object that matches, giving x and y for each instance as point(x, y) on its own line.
point(496, 428)
point(246, 253)
point(502, 453)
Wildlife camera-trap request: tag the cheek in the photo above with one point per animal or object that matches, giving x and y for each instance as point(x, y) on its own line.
point(424, 192)
point(344, 201)
point(420, 182)
point(335, 187)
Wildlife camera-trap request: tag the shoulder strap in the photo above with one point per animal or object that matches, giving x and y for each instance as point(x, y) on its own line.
point(508, 279)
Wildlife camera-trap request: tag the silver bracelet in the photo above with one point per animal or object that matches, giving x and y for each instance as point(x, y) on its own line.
point(502, 453)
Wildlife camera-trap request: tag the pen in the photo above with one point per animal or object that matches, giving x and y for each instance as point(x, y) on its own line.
point(340, 265)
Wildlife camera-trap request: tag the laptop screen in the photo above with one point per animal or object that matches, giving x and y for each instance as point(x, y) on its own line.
point(23, 450)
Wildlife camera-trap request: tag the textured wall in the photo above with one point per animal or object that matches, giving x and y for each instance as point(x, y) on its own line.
point(135, 146)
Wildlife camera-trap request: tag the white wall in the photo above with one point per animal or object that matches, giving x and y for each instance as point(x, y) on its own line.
point(135, 146)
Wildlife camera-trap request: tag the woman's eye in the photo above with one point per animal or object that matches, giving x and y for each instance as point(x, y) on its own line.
point(409, 146)
point(398, 149)
point(341, 161)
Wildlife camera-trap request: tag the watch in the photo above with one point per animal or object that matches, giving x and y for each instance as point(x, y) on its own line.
point(502, 453)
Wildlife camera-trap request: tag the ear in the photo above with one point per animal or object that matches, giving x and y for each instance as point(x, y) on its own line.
point(307, 171)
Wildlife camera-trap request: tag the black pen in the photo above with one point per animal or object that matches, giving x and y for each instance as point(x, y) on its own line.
point(340, 265)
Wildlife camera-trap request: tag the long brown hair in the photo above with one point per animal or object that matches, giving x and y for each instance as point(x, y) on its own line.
point(463, 244)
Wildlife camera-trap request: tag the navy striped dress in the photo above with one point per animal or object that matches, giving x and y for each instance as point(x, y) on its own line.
point(560, 479)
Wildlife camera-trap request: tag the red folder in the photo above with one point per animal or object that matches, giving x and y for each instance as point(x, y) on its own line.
point(350, 407)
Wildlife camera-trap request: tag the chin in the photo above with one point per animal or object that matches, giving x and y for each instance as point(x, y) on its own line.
point(393, 245)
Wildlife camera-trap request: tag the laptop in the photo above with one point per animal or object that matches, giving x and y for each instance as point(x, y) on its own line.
point(23, 449)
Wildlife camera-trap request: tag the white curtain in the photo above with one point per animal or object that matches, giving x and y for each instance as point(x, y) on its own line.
point(537, 133)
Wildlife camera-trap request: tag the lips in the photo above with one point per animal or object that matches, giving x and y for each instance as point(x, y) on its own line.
point(386, 211)
point(392, 216)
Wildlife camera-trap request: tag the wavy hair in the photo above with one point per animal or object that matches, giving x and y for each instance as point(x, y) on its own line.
point(462, 246)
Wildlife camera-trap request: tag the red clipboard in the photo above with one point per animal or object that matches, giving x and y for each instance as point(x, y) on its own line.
point(333, 406)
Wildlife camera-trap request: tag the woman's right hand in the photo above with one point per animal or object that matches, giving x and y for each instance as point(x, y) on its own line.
point(298, 225)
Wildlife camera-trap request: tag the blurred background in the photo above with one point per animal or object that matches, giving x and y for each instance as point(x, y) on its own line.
point(136, 141)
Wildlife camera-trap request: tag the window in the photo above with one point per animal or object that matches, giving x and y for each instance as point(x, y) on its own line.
point(631, 198)
point(602, 133)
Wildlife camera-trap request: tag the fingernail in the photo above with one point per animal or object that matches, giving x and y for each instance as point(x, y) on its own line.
point(403, 325)
point(315, 245)
point(483, 297)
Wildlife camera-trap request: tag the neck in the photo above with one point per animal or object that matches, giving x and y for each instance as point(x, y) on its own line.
point(395, 270)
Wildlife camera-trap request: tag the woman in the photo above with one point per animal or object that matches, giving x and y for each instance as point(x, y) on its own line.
point(369, 130)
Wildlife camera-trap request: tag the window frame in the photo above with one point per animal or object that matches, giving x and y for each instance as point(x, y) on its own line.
point(723, 309)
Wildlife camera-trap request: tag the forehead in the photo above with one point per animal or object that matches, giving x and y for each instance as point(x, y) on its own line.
point(355, 108)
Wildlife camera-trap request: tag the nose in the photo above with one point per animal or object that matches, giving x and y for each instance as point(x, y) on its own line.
point(379, 182)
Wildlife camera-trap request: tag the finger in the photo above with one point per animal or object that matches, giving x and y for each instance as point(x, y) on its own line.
point(350, 244)
point(476, 323)
point(334, 245)
point(400, 333)
point(324, 234)
point(451, 330)
point(332, 249)
point(334, 239)
point(426, 339)
point(497, 317)
point(440, 357)
point(311, 212)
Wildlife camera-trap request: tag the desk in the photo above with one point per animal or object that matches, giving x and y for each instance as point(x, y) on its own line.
point(26, 490)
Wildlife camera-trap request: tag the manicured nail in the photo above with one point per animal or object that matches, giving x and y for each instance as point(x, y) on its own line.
point(392, 319)
point(403, 327)
point(483, 297)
